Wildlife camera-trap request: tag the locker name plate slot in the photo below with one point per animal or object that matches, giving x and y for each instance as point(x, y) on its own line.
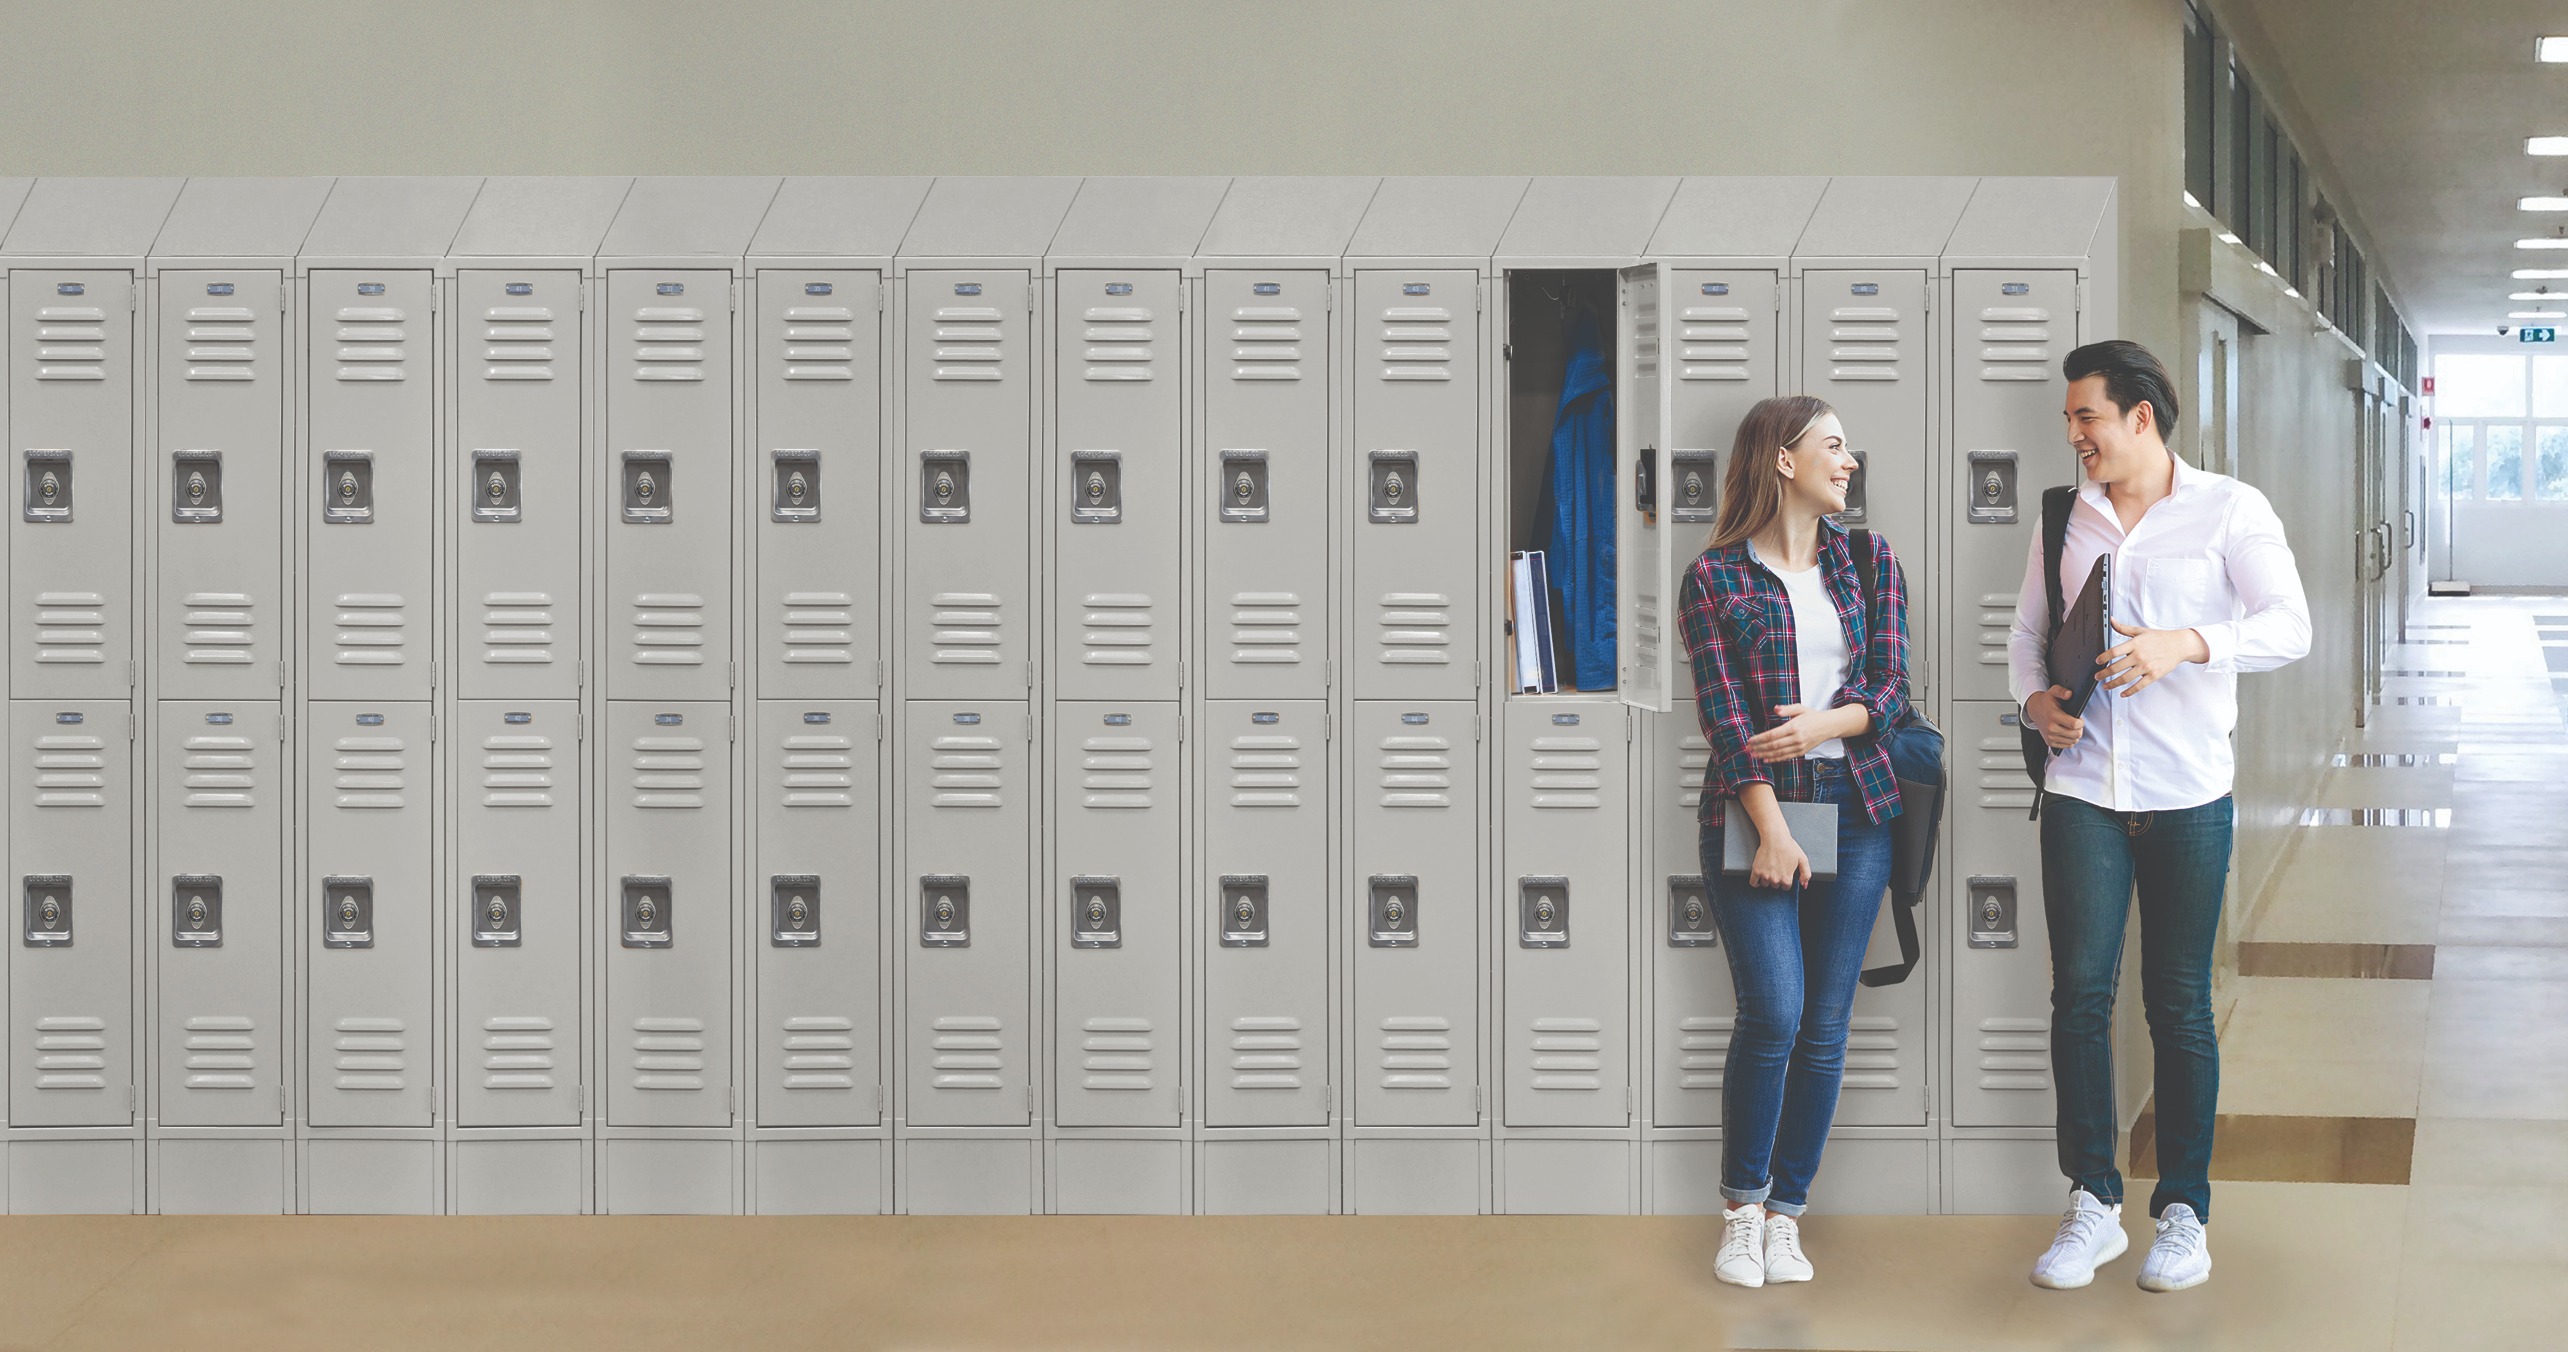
point(793, 910)
point(497, 919)
point(1244, 486)
point(646, 488)
point(1096, 488)
point(1542, 912)
point(1698, 487)
point(1992, 488)
point(1689, 912)
point(1096, 912)
point(1854, 513)
point(944, 911)
point(48, 486)
point(347, 913)
point(797, 486)
point(48, 910)
point(1243, 910)
point(196, 487)
point(1394, 496)
point(494, 488)
point(1392, 912)
point(347, 488)
point(646, 913)
point(945, 487)
point(196, 911)
point(1992, 917)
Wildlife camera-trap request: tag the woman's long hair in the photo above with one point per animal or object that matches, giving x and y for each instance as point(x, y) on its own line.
point(1752, 490)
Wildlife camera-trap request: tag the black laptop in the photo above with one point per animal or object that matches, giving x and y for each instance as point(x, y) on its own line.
point(2085, 632)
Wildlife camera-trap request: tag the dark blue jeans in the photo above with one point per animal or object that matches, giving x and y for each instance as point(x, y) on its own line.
point(2090, 860)
point(1793, 961)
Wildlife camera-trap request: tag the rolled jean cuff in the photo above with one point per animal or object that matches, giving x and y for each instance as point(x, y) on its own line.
point(1744, 1196)
point(1786, 1208)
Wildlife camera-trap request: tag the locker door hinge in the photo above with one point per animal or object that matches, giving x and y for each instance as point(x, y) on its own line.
point(735, 675)
point(878, 1099)
point(1328, 673)
point(1479, 1099)
point(134, 296)
point(1778, 298)
point(129, 676)
point(579, 725)
point(283, 1103)
point(878, 678)
point(1328, 724)
point(280, 679)
point(281, 306)
point(1479, 296)
point(878, 729)
point(133, 1098)
point(1331, 305)
point(432, 675)
point(1029, 1095)
point(1507, 352)
point(734, 721)
point(432, 727)
point(735, 309)
point(878, 309)
point(584, 295)
point(129, 726)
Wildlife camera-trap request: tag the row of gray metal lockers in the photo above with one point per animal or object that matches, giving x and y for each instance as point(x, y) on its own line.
point(960, 694)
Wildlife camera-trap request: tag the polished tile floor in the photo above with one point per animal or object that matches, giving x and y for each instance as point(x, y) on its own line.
point(2439, 1055)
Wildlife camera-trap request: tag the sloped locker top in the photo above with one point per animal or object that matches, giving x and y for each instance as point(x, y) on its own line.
point(688, 218)
point(1885, 218)
point(977, 218)
point(2029, 218)
point(1150, 221)
point(13, 195)
point(839, 217)
point(549, 217)
point(218, 218)
point(1736, 217)
point(1457, 218)
point(388, 221)
point(1288, 218)
point(1585, 221)
point(91, 217)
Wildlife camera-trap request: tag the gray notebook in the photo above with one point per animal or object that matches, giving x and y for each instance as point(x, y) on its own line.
point(1813, 827)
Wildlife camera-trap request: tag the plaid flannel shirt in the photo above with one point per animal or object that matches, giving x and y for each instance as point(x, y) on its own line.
point(1737, 623)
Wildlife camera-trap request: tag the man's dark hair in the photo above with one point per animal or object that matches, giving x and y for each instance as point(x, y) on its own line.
point(2132, 377)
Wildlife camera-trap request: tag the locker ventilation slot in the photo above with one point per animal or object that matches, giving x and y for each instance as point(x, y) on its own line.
point(1996, 626)
point(1118, 343)
point(668, 772)
point(668, 343)
point(366, 772)
point(965, 771)
point(1568, 772)
point(1417, 772)
point(1569, 1054)
point(71, 771)
point(222, 1051)
point(820, 627)
point(71, 628)
point(1413, 629)
point(517, 1052)
point(1266, 1053)
point(218, 629)
point(370, 1054)
point(668, 630)
point(1712, 343)
point(71, 1052)
point(517, 771)
point(1116, 1054)
point(1872, 1052)
point(519, 342)
point(517, 629)
point(1417, 1052)
point(219, 771)
point(668, 1054)
point(820, 1052)
point(1693, 757)
point(1417, 343)
point(1269, 343)
point(964, 629)
point(1115, 773)
point(820, 771)
point(967, 344)
point(2015, 343)
point(819, 343)
point(71, 343)
point(1266, 771)
point(2015, 1054)
point(1863, 343)
point(1116, 630)
point(370, 630)
point(967, 1051)
point(1703, 1049)
point(222, 343)
point(370, 343)
point(2002, 781)
point(1266, 629)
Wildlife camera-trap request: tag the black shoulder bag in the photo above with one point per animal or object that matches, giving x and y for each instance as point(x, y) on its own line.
point(1916, 748)
point(2057, 503)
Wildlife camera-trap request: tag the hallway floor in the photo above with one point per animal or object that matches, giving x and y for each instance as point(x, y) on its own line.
point(2393, 1167)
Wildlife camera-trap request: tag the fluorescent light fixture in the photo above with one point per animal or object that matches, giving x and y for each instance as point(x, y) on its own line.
point(2546, 145)
point(2550, 49)
point(2539, 274)
point(2542, 242)
point(2544, 204)
point(2292, 291)
point(2544, 294)
point(2228, 238)
point(2537, 314)
point(2189, 201)
point(2266, 268)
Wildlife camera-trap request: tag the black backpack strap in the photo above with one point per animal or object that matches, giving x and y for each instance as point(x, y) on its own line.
point(1903, 914)
point(2057, 504)
point(1861, 539)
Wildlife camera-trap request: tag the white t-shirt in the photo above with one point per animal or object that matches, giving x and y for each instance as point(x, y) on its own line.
point(1820, 635)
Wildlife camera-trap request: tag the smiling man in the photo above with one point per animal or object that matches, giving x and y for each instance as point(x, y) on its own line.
point(2203, 587)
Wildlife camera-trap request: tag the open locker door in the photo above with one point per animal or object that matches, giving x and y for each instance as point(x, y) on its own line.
point(1643, 585)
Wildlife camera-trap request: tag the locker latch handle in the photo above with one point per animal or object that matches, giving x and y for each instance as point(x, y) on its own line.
point(48, 486)
point(650, 491)
point(1991, 488)
point(1698, 486)
point(1243, 492)
point(347, 912)
point(945, 487)
point(1243, 903)
point(47, 910)
point(494, 490)
point(1096, 488)
point(347, 488)
point(793, 910)
point(196, 487)
point(797, 497)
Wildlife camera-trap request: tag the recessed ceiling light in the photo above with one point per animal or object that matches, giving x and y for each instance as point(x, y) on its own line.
point(2542, 242)
point(2544, 204)
point(2537, 314)
point(2550, 49)
point(2228, 238)
point(2546, 145)
point(2539, 274)
point(2189, 201)
point(2544, 293)
point(2292, 291)
point(2266, 268)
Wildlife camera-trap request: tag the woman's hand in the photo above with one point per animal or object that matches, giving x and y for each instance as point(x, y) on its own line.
point(1803, 728)
point(1780, 861)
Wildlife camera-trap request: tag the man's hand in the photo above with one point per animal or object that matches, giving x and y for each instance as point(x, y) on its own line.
point(2059, 730)
point(1803, 728)
point(2132, 667)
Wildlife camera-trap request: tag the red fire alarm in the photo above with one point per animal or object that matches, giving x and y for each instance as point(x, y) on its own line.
point(2429, 384)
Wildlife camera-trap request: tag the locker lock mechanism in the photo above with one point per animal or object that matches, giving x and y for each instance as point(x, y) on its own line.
point(196, 487)
point(1992, 488)
point(793, 910)
point(497, 920)
point(647, 488)
point(1096, 497)
point(797, 486)
point(47, 910)
point(1391, 912)
point(1992, 917)
point(945, 487)
point(495, 487)
point(1689, 913)
point(944, 911)
point(1394, 497)
point(48, 486)
point(347, 483)
point(1244, 486)
point(1096, 912)
point(1243, 910)
point(347, 913)
point(196, 911)
point(647, 912)
point(1697, 498)
point(1542, 912)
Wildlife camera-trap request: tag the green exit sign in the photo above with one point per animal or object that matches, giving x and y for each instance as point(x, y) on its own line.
point(2539, 335)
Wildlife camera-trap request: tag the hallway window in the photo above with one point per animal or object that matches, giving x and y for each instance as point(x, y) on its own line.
point(2460, 468)
point(2505, 462)
point(2550, 463)
point(2475, 386)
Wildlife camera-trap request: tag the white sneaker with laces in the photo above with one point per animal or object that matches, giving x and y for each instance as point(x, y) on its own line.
point(2090, 1235)
point(1743, 1237)
point(1783, 1258)
point(2181, 1257)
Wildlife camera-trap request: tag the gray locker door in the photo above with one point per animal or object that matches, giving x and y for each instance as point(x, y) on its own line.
point(668, 975)
point(1266, 1034)
point(1416, 502)
point(820, 967)
point(1265, 597)
point(71, 971)
point(1864, 337)
point(518, 1014)
point(820, 564)
point(1644, 583)
point(371, 513)
point(1116, 890)
point(2001, 951)
point(965, 494)
point(369, 962)
point(218, 485)
point(668, 484)
point(514, 486)
point(2010, 330)
point(1692, 1006)
point(968, 1001)
point(1417, 978)
point(1728, 355)
point(71, 434)
point(222, 843)
point(1118, 427)
point(1568, 987)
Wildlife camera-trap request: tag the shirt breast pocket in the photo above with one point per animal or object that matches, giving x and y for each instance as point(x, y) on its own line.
point(1746, 622)
point(2177, 594)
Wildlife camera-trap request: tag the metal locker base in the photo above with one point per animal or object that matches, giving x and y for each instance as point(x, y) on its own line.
point(1995, 1175)
point(518, 1176)
point(1101, 1175)
point(1565, 1175)
point(370, 1176)
point(820, 1173)
point(69, 1173)
point(1275, 1175)
point(1417, 1175)
point(222, 1175)
point(968, 1176)
point(668, 1175)
point(1866, 1172)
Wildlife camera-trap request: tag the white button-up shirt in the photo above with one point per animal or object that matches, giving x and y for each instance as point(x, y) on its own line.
point(2210, 557)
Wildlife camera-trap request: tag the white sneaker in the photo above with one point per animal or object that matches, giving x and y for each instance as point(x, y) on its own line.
point(2181, 1257)
point(1783, 1259)
point(2090, 1235)
point(1743, 1238)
